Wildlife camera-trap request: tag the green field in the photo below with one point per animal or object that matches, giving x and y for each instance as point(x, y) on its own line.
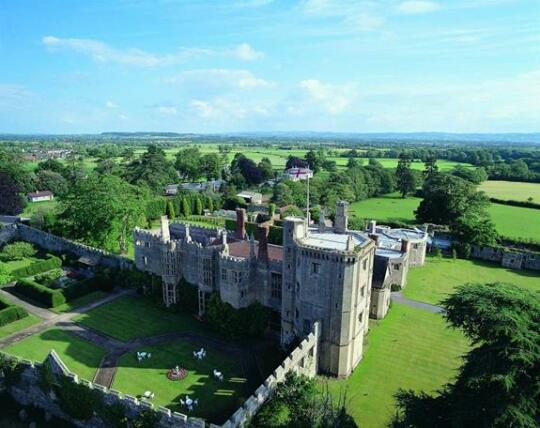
point(516, 222)
point(18, 325)
point(80, 356)
point(217, 400)
point(511, 190)
point(440, 276)
point(128, 317)
point(391, 207)
point(412, 349)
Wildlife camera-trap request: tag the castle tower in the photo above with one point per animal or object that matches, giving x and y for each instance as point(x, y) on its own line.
point(341, 217)
point(165, 233)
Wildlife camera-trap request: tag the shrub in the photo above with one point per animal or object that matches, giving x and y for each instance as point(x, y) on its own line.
point(188, 297)
point(48, 278)
point(52, 262)
point(245, 322)
point(50, 298)
point(18, 251)
point(12, 313)
point(77, 400)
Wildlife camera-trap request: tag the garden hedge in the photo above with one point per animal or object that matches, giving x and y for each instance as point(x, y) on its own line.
point(524, 204)
point(50, 263)
point(10, 312)
point(50, 298)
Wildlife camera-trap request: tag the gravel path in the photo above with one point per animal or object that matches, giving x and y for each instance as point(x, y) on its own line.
point(397, 296)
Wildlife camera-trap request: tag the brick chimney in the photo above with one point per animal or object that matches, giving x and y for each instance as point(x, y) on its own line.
point(263, 232)
point(240, 223)
point(405, 245)
point(374, 237)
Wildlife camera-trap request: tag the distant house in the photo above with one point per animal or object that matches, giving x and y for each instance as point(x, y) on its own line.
point(251, 197)
point(296, 174)
point(45, 195)
point(213, 185)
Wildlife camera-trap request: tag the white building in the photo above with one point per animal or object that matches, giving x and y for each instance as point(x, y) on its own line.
point(41, 196)
point(296, 174)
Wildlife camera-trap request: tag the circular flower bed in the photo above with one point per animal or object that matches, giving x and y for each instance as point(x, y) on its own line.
point(174, 374)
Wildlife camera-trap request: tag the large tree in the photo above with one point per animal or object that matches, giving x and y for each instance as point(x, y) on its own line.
point(101, 210)
point(50, 180)
point(11, 202)
point(498, 384)
point(152, 169)
point(406, 180)
point(188, 163)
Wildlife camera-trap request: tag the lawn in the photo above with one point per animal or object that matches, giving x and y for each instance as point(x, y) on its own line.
point(18, 325)
point(516, 222)
point(412, 349)
point(32, 207)
point(511, 190)
point(80, 356)
point(129, 317)
point(440, 276)
point(81, 301)
point(391, 207)
point(217, 400)
point(17, 264)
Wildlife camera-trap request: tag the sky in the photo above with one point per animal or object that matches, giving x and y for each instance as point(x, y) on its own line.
point(269, 65)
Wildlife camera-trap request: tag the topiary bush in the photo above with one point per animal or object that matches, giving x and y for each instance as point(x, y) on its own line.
point(52, 262)
point(17, 251)
point(48, 297)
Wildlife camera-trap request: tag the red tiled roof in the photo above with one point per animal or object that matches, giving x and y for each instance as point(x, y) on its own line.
point(241, 249)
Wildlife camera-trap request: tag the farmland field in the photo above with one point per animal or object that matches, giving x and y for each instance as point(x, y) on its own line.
point(516, 222)
point(511, 190)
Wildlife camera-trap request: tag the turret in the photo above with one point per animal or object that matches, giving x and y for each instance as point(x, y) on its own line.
point(165, 233)
point(341, 217)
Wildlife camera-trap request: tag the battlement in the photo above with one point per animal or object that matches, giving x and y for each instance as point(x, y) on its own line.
point(29, 392)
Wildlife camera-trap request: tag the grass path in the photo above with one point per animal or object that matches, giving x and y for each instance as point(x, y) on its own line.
point(412, 349)
point(21, 324)
point(439, 277)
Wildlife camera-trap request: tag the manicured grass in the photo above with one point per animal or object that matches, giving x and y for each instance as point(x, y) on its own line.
point(81, 301)
point(17, 264)
point(391, 207)
point(411, 349)
point(511, 190)
point(18, 325)
point(80, 356)
point(440, 276)
point(32, 207)
point(516, 222)
point(131, 317)
point(217, 400)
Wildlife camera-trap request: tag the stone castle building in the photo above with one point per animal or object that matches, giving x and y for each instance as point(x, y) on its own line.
point(331, 275)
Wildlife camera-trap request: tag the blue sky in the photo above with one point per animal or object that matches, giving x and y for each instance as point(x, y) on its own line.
point(269, 65)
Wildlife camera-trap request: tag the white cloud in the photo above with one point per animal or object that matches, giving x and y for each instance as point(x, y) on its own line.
point(417, 6)
point(111, 105)
point(245, 52)
point(219, 78)
point(167, 110)
point(103, 53)
point(334, 99)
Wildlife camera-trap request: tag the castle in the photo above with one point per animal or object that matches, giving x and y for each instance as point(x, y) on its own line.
point(331, 275)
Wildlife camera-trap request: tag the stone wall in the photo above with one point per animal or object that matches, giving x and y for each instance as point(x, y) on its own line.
point(28, 392)
point(513, 259)
point(61, 245)
point(7, 233)
point(303, 360)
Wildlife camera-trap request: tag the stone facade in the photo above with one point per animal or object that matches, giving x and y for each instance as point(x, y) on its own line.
point(320, 274)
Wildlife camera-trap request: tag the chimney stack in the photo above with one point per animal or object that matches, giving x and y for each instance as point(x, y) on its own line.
point(374, 237)
point(240, 223)
point(263, 231)
point(405, 245)
point(372, 226)
point(340, 225)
